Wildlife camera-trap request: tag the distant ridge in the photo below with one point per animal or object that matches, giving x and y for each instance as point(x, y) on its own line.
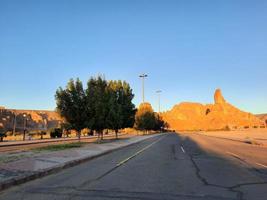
point(36, 119)
point(218, 116)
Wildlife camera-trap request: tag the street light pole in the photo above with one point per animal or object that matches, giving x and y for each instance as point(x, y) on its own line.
point(158, 92)
point(143, 76)
point(14, 122)
point(24, 127)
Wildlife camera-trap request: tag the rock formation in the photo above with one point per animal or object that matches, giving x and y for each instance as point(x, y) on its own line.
point(218, 97)
point(218, 116)
point(263, 117)
point(36, 119)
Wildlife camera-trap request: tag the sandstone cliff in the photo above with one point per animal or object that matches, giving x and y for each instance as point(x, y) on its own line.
point(217, 116)
point(262, 117)
point(36, 119)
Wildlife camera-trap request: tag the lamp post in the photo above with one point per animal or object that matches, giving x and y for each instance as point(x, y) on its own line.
point(143, 76)
point(14, 122)
point(24, 126)
point(158, 92)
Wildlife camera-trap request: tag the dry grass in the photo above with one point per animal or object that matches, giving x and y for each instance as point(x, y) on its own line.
point(249, 136)
point(60, 147)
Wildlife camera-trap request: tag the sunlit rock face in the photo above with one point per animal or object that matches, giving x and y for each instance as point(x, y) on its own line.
point(36, 119)
point(217, 116)
point(218, 97)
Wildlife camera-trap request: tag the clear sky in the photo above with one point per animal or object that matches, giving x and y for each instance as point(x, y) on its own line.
point(188, 49)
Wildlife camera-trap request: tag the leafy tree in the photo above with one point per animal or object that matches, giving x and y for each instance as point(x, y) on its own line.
point(97, 98)
point(71, 104)
point(121, 109)
point(114, 117)
point(102, 105)
point(145, 118)
point(160, 123)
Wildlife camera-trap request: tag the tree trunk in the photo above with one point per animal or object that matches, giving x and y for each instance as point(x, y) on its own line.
point(101, 135)
point(116, 132)
point(79, 136)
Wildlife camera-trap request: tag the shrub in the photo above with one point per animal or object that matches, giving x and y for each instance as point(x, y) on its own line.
point(2, 135)
point(227, 128)
point(85, 131)
point(56, 133)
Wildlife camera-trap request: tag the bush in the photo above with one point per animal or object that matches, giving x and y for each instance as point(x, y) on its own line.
point(85, 132)
point(227, 128)
point(56, 133)
point(2, 135)
point(9, 133)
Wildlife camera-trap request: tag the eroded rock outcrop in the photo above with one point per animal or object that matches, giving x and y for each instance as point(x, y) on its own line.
point(36, 119)
point(217, 116)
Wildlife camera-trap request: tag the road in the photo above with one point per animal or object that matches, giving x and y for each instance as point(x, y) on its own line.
point(169, 166)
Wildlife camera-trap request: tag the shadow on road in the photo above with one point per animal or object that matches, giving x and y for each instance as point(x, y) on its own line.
point(226, 171)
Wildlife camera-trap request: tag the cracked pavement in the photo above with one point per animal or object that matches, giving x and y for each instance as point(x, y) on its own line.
point(169, 166)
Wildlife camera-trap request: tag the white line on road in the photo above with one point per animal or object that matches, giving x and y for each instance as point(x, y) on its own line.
point(182, 149)
point(262, 165)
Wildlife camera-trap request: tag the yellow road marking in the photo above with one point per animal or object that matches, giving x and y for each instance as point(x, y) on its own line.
point(232, 154)
point(262, 165)
point(138, 152)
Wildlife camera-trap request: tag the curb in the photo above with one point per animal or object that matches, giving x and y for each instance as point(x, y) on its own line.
point(39, 174)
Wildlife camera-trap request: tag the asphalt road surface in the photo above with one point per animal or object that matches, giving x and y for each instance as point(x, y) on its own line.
point(168, 166)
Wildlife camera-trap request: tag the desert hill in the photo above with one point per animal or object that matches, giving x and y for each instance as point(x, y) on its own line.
point(262, 117)
point(36, 119)
point(218, 116)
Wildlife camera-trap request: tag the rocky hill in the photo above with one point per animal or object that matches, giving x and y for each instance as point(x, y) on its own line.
point(35, 119)
point(262, 117)
point(218, 116)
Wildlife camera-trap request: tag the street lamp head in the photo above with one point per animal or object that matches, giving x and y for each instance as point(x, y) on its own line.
point(158, 91)
point(24, 115)
point(143, 75)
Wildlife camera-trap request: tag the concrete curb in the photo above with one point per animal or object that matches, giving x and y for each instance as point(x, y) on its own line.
point(39, 174)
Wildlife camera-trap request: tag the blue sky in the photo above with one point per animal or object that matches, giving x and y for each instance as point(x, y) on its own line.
point(188, 49)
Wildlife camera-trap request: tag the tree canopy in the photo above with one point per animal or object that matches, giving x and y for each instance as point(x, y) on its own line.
point(102, 105)
point(147, 119)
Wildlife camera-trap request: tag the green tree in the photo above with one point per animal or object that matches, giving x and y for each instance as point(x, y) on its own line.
point(160, 123)
point(97, 100)
point(102, 105)
point(71, 103)
point(121, 109)
point(145, 118)
point(114, 119)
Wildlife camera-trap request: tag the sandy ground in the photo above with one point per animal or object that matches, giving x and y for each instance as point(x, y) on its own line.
point(255, 136)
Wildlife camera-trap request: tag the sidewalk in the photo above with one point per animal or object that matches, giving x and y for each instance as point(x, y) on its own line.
point(25, 166)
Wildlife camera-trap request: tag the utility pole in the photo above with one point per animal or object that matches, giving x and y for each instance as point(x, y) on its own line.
point(24, 126)
point(14, 122)
point(143, 76)
point(158, 92)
